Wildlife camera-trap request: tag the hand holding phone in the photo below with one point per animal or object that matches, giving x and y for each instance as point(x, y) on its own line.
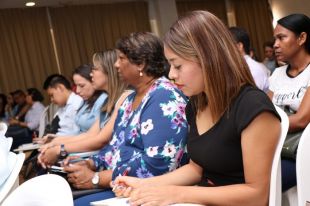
point(72, 160)
point(57, 169)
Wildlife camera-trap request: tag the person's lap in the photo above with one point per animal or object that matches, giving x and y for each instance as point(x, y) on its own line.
point(20, 135)
point(288, 174)
point(85, 200)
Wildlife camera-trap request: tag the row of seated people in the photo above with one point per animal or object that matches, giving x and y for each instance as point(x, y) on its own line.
point(22, 112)
point(152, 99)
point(76, 113)
point(13, 105)
point(230, 127)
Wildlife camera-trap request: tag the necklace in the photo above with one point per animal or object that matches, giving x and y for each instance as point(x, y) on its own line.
point(138, 98)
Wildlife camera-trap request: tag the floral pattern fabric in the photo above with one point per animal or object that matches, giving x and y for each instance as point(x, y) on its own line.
point(149, 140)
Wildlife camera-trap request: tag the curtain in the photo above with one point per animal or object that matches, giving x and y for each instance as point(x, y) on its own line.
point(255, 16)
point(82, 30)
point(217, 7)
point(26, 52)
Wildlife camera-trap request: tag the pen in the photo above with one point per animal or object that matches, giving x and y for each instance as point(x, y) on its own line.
point(73, 160)
point(126, 171)
point(121, 186)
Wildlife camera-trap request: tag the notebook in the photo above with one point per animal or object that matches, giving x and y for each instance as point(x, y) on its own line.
point(29, 146)
point(112, 201)
point(116, 201)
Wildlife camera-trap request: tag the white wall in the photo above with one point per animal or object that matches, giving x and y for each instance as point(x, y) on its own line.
point(281, 8)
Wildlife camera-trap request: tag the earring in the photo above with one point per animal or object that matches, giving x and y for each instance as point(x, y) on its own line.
point(140, 74)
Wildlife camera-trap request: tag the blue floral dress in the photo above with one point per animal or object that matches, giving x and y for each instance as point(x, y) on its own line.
point(150, 140)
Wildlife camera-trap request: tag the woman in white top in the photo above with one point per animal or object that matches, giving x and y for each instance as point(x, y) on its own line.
point(289, 84)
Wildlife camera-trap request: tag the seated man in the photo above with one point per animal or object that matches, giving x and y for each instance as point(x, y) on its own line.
point(258, 70)
point(270, 60)
point(22, 131)
point(60, 93)
point(21, 109)
point(19, 134)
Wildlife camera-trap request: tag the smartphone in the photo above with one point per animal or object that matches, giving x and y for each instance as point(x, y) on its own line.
point(56, 169)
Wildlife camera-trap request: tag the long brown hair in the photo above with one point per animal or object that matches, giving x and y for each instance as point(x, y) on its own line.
point(201, 37)
point(116, 87)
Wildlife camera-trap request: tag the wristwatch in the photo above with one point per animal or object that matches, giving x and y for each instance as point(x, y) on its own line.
point(63, 153)
point(95, 180)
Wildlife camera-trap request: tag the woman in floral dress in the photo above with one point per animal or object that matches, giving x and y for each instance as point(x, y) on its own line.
point(150, 130)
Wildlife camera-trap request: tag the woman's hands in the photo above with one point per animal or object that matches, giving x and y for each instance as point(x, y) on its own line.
point(13, 122)
point(123, 185)
point(79, 173)
point(142, 193)
point(49, 151)
point(155, 195)
point(48, 155)
point(45, 139)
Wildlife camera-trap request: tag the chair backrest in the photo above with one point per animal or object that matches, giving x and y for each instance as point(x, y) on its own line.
point(3, 129)
point(43, 121)
point(47, 190)
point(13, 180)
point(47, 117)
point(275, 192)
point(9, 141)
point(303, 167)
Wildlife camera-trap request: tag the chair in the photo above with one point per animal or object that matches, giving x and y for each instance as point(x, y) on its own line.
point(5, 167)
point(289, 197)
point(3, 129)
point(303, 168)
point(47, 117)
point(43, 121)
point(299, 194)
point(10, 141)
point(275, 192)
point(44, 190)
point(33, 146)
point(13, 180)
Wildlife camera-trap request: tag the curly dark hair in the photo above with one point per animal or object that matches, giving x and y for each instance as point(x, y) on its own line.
point(144, 48)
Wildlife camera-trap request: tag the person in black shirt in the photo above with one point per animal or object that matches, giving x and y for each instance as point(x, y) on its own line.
point(234, 127)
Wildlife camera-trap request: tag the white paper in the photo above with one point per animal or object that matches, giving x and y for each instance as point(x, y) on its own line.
point(29, 146)
point(111, 202)
point(116, 201)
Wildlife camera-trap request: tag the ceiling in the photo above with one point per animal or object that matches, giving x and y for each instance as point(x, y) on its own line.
point(52, 3)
